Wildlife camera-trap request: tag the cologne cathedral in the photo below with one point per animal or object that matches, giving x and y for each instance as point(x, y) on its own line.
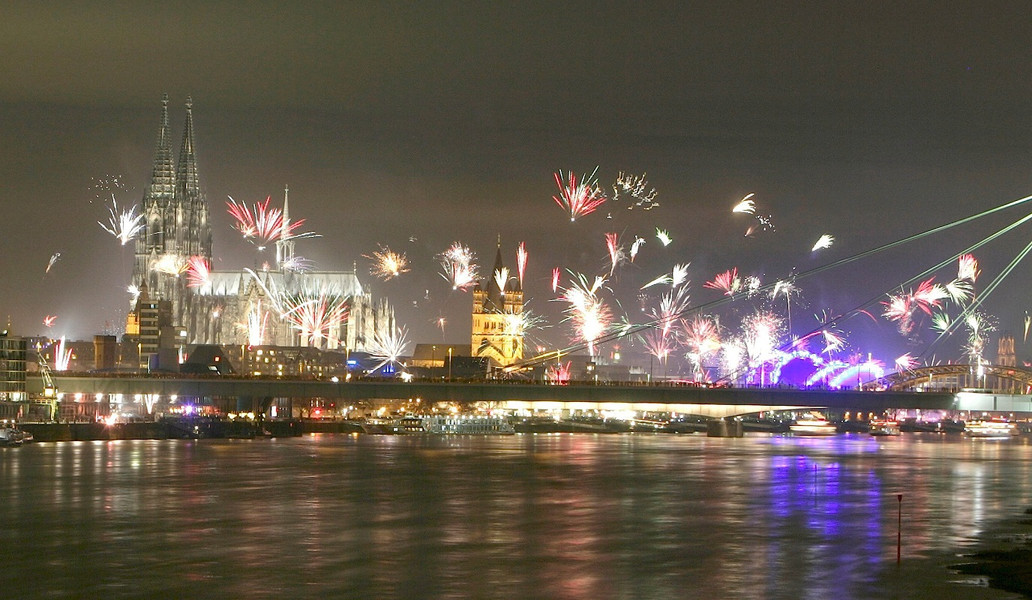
point(244, 307)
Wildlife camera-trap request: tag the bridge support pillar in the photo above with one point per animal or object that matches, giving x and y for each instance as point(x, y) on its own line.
point(724, 428)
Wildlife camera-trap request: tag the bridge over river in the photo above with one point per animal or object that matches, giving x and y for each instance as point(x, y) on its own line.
point(257, 393)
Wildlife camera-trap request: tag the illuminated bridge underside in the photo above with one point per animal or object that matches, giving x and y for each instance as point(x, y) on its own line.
point(997, 378)
point(717, 402)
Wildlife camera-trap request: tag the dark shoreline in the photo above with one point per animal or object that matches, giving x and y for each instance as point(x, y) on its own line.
point(1007, 565)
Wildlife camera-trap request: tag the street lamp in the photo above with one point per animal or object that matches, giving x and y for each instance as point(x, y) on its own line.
point(449, 362)
point(433, 359)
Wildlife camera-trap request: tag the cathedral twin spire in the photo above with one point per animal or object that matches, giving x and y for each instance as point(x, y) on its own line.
point(174, 206)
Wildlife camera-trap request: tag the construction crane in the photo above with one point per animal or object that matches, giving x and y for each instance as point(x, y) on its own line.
point(49, 387)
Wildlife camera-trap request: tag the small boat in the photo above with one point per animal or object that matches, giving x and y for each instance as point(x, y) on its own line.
point(812, 424)
point(884, 427)
point(991, 428)
point(9, 435)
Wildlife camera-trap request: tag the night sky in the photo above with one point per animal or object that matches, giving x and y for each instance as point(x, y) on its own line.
point(419, 124)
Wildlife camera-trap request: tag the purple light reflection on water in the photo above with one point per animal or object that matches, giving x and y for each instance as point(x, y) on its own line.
point(560, 516)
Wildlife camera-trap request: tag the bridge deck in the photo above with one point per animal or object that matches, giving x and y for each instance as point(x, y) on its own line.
point(745, 399)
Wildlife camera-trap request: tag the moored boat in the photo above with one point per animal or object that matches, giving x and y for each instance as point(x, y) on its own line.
point(884, 427)
point(468, 425)
point(990, 428)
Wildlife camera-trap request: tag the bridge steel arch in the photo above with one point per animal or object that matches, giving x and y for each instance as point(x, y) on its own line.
point(953, 377)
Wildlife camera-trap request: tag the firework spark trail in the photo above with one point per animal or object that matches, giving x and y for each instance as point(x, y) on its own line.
point(197, 272)
point(824, 241)
point(558, 374)
point(106, 185)
point(638, 188)
point(765, 223)
point(50, 264)
point(588, 313)
point(638, 242)
point(967, 268)
point(615, 251)
point(578, 199)
point(387, 264)
point(441, 322)
point(501, 278)
point(123, 225)
point(255, 324)
point(297, 264)
point(661, 280)
point(62, 355)
point(555, 279)
point(671, 305)
point(521, 261)
point(658, 345)
point(48, 321)
point(389, 346)
point(1028, 321)
point(314, 314)
point(979, 326)
point(833, 341)
point(679, 274)
point(663, 237)
point(458, 264)
point(906, 362)
point(745, 205)
point(961, 291)
point(728, 282)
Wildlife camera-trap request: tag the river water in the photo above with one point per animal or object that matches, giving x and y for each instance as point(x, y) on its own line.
point(569, 516)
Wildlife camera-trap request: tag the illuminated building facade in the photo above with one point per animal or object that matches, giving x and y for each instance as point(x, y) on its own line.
point(497, 307)
point(242, 307)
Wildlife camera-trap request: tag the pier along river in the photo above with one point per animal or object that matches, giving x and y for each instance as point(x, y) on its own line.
point(527, 516)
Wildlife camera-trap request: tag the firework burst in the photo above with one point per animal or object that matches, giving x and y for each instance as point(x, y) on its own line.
point(588, 313)
point(124, 225)
point(316, 315)
point(389, 346)
point(171, 264)
point(728, 282)
point(261, 224)
point(387, 264)
point(823, 242)
point(663, 237)
point(198, 271)
point(578, 198)
point(458, 266)
point(745, 205)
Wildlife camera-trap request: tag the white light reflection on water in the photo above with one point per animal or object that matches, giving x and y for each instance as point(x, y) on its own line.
point(547, 516)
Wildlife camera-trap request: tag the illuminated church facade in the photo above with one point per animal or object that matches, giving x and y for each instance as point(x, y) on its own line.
point(243, 307)
point(497, 309)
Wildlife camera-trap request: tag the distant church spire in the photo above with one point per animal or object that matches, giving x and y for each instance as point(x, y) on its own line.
point(285, 245)
point(163, 181)
point(187, 181)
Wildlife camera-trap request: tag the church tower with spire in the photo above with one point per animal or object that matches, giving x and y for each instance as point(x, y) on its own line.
point(285, 243)
point(497, 310)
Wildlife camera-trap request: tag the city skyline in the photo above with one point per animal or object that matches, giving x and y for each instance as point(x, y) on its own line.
point(871, 127)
